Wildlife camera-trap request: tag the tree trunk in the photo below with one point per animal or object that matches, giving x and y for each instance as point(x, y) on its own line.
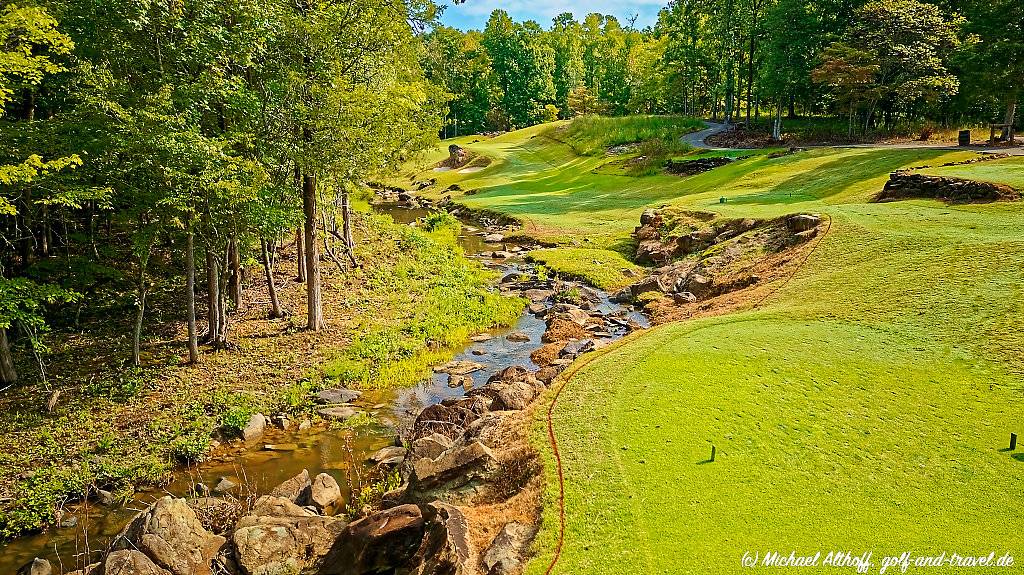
point(300, 255)
point(315, 319)
point(141, 293)
point(1009, 119)
point(275, 304)
point(235, 277)
point(212, 297)
point(222, 334)
point(8, 374)
point(750, 67)
point(346, 217)
point(777, 126)
point(849, 131)
point(190, 296)
point(792, 107)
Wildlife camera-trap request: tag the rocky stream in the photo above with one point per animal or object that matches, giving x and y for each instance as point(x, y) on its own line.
point(443, 437)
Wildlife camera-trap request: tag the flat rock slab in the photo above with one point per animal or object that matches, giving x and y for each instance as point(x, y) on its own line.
point(459, 367)
point(337, 395)
point(339, 413)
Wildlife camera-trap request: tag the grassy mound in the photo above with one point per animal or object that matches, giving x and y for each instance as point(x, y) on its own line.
point(605, 269)
point(867, 405)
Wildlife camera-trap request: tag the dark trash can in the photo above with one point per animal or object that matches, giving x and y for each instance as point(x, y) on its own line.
point(965, 138)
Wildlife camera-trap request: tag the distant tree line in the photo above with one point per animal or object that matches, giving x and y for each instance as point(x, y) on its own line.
point(872, 62)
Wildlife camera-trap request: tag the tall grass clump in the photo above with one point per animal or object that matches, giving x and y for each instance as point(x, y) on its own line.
point(454, 300)
point(593, 135)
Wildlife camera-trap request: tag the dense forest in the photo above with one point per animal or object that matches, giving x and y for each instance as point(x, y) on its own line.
point(153, 138)
point(873, 63)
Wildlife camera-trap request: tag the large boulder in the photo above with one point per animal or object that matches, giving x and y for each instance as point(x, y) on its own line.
point(561, 329)
point(646, 233)
point(512, 395)
point(289, 541)
point(271, 506)
point(254, 428)
point(431, 446)
point(324, 493)
point(489, 430)
point(650, 217)
point(510, 374)
point(447, 420)
point(506, 552)
point(170, 533)
point(130, 562)
point(380, 543)
point(452, 474)
point(651, 283)
point(652, 252)
point(36, 567)
point(445, 548)
point(802, 222)
point(295, 489)
point(697, 284)
point(576, 348)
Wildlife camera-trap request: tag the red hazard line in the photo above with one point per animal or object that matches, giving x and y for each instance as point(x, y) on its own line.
point(554, 401)
point(561, 481)
point(800, 266)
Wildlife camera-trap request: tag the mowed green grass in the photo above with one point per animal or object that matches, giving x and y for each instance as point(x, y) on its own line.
point(564, 197)
point(1009, 171)
point(866, 406)
point(829, 436)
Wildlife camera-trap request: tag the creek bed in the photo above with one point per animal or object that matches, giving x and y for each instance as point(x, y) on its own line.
point(342, 453)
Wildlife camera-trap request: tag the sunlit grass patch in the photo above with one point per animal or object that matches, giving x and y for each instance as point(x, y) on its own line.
point(605, 269)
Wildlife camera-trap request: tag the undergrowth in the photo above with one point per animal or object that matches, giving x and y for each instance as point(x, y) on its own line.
point(410, 303)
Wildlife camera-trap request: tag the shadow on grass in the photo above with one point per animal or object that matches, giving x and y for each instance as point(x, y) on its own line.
point(837, 175)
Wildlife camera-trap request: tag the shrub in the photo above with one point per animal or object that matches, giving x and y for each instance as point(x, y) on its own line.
point(190, 448)
point(235, 418)
point(436, 221)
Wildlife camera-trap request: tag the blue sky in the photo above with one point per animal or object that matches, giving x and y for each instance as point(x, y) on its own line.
point(473, 14)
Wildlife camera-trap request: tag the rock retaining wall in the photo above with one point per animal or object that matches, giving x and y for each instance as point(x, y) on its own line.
point(903, 185)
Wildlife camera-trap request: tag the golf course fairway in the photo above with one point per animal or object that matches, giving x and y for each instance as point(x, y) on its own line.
point(865, 406)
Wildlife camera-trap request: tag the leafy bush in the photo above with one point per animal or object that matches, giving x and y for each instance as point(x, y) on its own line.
point(36, 497)
point(436, 221)
point(234, 419)
point(571, 296)
point(190, 448)
point(367, 499)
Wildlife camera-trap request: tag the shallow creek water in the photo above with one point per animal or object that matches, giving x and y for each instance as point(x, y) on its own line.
point(338, 452)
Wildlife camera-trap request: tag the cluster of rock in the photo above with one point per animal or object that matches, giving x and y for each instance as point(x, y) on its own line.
point(459, 452)
point(694, 167)
point(286, 531)
point(686, 271)
point(986, 157)
point(902, 185)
